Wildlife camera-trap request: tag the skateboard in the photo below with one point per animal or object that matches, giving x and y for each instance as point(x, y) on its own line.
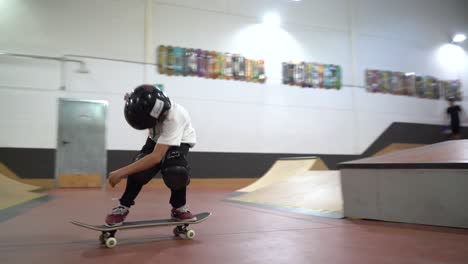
point(179, 61)
point(290, 73)
point(419, 86)
point(408, 84)
point(227, 67)
point(108, 239)
point(170, 63)
point(213, 68)
point(386, 75)
point(238, 67)
point(308, 75)
point(248, 70)
point(261, 71)
point(190, 62)
point(299, 74)
point(162, 59)
point(327, 76)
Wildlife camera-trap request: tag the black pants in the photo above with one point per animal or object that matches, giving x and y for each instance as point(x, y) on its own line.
point(136, 181)
point(455, 126)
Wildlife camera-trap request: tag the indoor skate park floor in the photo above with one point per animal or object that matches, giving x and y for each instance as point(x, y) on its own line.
point(235, 233)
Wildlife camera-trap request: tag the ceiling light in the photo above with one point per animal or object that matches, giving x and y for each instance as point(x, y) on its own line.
point(458, 38)
point(272, 19)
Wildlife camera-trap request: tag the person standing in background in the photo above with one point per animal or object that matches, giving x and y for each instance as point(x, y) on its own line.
point(454, 112)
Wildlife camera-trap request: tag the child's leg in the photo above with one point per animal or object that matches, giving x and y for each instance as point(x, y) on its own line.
point(176, 176)
point(178, 197)
point(136, 181)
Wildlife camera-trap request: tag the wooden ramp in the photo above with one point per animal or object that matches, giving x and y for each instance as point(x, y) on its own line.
point(424, 185)
point(5, 171)
point(311, 192)
point(285, 168)
point(396, 147)
point(13, 192)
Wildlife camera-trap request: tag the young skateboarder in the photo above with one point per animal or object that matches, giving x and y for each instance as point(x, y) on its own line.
point(171, 135)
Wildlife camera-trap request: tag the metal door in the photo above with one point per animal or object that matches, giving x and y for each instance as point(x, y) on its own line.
point(81, 146)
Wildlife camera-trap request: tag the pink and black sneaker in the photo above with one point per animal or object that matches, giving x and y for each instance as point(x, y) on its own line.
point(117, 216)
point(182, 214)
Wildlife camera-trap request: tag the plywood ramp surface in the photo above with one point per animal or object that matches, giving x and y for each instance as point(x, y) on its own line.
point(14, 193)
point(5, 171)
point(11, 184)
point(396, 147)
point(318, 191)
point(284, 168)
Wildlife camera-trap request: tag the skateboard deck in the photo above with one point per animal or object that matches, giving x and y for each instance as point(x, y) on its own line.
point(108, 232)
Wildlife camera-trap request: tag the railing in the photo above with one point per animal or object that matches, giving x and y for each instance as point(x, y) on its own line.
point(62, 60)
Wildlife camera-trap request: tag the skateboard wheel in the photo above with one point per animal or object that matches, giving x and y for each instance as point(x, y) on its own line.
point(190, 234)
point(111, 242)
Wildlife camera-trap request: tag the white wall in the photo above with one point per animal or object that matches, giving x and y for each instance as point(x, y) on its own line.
point(229, 116)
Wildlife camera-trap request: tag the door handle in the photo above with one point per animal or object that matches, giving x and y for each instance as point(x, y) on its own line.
point(64, 142)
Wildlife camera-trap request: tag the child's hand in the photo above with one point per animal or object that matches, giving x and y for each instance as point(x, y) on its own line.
point(114, 178)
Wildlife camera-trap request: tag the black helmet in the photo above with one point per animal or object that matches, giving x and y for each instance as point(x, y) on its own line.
point(145, 105)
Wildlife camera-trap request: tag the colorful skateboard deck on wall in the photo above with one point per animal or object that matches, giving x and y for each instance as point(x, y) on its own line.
point(451, 89)
point(212, 58)
point(209, 64)
point(338, 77)
point(321, 70)
point(315, 75)
point(201, 63)
point(299, 74)
point(261, 71)
point(238, 67)
point(385, 81)
point(400, 83)
point(408, 84)
point(179, 61)
point(290, 74)
point(248, 70)
point(328, 76)
point(396, 83)
point(431, 87)
point(222, 62)
point(419, 86)
point(308, 75)
point(255, 73)
point(227, 67)
point(190, 62)
point(373, 81)
point(162, 59)
point(170, 60)
point(285, 77)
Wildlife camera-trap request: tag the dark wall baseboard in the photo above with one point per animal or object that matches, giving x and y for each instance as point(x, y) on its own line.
point(40, 163)
point(227, 165)
point(29, 162)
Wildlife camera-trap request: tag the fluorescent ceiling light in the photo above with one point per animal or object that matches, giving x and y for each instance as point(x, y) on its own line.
point(272, 19)
point(457, 38)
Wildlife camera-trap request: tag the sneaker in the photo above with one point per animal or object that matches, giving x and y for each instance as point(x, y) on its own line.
point(182, 214)
point(117, 216)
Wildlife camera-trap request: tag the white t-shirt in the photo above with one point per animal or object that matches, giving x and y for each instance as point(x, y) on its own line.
point(175, 129)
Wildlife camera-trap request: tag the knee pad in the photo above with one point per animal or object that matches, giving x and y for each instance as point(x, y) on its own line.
point(176, 177)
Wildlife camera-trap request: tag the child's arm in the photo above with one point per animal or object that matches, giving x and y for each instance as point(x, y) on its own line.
point(142, 164)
